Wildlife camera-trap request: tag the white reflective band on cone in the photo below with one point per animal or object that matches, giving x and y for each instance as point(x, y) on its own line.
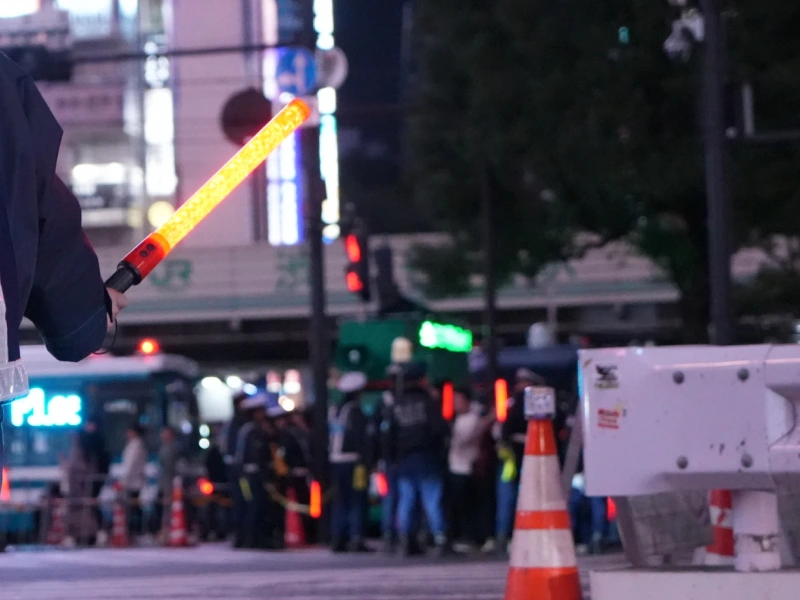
point(720, 517)
point(542, 549)
point(532, 494)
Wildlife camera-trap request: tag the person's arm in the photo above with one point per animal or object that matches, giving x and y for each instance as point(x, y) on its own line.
point(68, 302)
point(126, 464)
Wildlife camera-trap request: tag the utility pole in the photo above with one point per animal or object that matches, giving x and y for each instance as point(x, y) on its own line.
point(719, 242)
point(489, 278)
point(318, 339)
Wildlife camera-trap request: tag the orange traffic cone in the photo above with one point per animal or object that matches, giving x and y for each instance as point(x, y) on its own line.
point(543, 562)
point(119, 523)
point(56, 529)
point(295, 535)
point(178, 536)
point(721, 551)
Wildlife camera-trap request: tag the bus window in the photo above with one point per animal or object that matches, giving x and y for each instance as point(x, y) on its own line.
point(118, 405)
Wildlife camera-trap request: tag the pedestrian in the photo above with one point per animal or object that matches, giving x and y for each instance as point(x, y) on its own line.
point(230, 438)
point(348, 455)
point(419, 431)
point(219, 519)
point(253, 463)
point(80, 470)
point(465, 445)
point(277, 475)
point(297, 443)
point(132, 479)
point(168, 457)
point(98, 455)
point(510, 450)
point(49, 272)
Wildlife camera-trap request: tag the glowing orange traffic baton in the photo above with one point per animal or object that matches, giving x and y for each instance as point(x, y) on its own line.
point(145, 257)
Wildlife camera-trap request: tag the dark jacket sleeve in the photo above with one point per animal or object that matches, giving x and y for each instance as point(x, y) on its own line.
point(68, 301)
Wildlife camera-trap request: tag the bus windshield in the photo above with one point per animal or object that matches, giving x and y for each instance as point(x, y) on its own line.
point(39, 429)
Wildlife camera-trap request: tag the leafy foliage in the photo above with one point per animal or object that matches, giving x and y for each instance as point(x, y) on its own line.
point(582, 132)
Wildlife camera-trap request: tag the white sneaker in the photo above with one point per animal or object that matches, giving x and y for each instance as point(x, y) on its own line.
point(488, 546)
point(102, 538)
point(68, 542)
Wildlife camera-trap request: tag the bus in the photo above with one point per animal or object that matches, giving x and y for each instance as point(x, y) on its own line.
point(116, 392)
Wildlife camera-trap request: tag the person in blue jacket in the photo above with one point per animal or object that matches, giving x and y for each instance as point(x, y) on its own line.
point(49, 272)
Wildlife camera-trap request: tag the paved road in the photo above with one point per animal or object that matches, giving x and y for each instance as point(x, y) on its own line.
point(213, 572)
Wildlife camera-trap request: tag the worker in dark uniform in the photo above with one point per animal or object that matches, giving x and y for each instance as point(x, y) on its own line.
point(296, 443)
point(510, 451)
point(277, 476)
point(230, 438)
point(49, 272)
point(348, 455)
point(418, 433)
point(252, 465)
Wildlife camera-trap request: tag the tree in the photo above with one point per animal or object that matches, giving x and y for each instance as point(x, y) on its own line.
point(586, 132)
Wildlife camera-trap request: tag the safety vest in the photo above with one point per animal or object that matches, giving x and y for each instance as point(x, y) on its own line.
point(13, 380)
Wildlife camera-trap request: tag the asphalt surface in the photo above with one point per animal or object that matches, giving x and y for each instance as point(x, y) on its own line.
point(215, 572)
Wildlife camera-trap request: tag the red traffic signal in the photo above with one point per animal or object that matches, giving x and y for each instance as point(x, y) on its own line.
point(357, 272)
point(353, 248)
point(354, 283)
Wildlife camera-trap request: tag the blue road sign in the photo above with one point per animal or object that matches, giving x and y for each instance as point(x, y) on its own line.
point(296, 72)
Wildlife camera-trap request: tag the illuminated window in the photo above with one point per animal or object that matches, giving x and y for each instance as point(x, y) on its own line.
point(18, 8)
point(285, 202)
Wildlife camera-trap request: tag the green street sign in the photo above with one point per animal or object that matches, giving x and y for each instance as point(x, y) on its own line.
point(445, 337)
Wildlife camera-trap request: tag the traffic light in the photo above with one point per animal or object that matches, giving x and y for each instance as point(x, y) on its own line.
point(357, 273)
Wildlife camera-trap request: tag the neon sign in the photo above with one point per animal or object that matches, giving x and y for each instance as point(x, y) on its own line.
point(446, 337)
point(58, 411)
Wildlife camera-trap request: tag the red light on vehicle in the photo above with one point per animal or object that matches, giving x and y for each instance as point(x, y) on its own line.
point(448, 394)
point(315, 503)
point(354, 283)
point(501, 399)
point(353, 248)
point(149, 347)
point(205, 486)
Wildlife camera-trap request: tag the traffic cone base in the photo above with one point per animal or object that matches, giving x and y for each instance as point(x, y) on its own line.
point(295, 536)
point(178, 536)
point(119, 532)
point(543, 563)
point(543, 584)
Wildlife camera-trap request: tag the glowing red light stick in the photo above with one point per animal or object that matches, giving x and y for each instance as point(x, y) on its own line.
point(448, 394)
point(145, 257)
point(501, 399)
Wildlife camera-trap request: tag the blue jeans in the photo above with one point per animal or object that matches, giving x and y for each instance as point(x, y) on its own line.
point(586, 530)
point(420, 475)
point(349, 505)
point(506, 505)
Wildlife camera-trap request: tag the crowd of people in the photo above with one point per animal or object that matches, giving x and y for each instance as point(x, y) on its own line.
point(451, 484)
point(86, 471)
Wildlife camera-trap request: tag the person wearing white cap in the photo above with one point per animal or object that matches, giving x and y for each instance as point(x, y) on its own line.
point(348, 449)
point(252, 468)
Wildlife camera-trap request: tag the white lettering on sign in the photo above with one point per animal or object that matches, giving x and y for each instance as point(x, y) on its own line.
point(34, 410)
